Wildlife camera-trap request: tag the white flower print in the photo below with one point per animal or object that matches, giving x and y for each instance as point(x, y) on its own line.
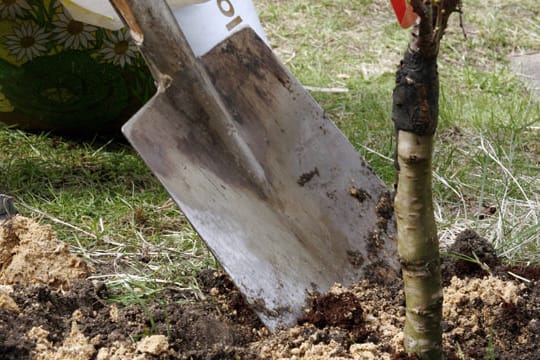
point(119, 48)
point(28, 41)
point(73, 34)
point(10, 9)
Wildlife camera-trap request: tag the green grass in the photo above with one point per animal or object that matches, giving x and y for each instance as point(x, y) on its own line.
point(101, 199)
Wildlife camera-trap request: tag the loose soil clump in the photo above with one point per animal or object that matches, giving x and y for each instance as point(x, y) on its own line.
point(30, 254)
point(487, 311)
point(338, 309)
point(469, 256)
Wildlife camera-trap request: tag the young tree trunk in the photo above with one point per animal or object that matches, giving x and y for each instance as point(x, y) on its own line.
point(415, 115)
point(418, 244)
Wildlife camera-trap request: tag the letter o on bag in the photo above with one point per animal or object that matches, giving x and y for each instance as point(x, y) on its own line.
point(226, 7)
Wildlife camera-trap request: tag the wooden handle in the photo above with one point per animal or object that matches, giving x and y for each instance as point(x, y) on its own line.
point(125, 12)
point(158, 35)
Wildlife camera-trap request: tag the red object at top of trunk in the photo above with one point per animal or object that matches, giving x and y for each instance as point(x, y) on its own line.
point(404, 13)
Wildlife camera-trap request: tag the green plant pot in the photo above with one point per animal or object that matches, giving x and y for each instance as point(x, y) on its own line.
point(59, 74)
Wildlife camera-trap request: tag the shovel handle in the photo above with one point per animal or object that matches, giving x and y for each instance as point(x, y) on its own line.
point(155, 30)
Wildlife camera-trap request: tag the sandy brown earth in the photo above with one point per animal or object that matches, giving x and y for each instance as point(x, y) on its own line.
point(49, 311)
point(30, 254)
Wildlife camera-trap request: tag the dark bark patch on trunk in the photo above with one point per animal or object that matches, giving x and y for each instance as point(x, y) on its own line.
point(416, 95)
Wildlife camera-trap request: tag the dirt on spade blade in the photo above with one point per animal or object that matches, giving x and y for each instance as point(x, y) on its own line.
point(490, 311)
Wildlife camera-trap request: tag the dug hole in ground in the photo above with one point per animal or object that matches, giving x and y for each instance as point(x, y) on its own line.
point(49, 310)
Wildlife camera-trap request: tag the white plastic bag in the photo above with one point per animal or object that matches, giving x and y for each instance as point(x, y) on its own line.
point(205, 23)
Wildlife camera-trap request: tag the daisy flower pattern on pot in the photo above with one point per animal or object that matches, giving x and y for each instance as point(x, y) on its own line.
point(119, 48)
point(76, 66)
point(27, 41)
point(11, 9)
point(73, 34)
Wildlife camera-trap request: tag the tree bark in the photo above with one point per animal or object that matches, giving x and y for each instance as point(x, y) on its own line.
point(418, 247)
point(415, 112)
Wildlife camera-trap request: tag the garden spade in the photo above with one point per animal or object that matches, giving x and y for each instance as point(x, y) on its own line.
point(279, 195)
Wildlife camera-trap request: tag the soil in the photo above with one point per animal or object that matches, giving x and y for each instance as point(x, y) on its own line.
point(306, 177)
point(30, 254)
point(64, 316)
